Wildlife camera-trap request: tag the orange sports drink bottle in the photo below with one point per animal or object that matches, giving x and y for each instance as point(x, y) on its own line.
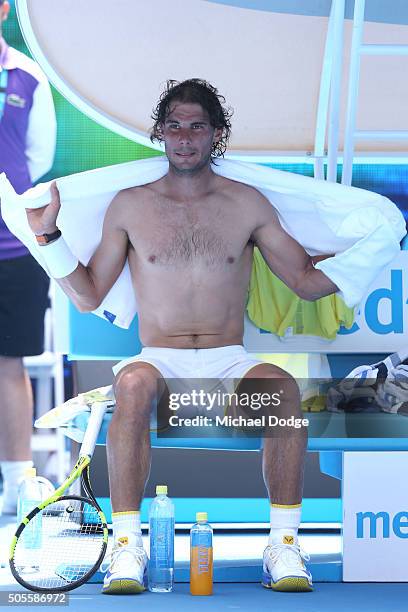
point(201, 556)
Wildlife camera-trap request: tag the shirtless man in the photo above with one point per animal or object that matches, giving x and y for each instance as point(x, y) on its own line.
point(189, 238)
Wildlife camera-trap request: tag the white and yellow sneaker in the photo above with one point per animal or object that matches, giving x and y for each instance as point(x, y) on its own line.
point(127, 570)
point(284, 568)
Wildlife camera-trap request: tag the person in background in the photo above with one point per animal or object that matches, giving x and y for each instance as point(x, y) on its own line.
point(27, 147)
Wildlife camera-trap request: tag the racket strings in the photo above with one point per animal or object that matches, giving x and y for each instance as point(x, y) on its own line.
point(60, 545)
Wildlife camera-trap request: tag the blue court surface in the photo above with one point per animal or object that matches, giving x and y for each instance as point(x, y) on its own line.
point(237, 570)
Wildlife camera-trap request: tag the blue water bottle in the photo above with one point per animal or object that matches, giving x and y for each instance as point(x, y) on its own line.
point(30, 495)
point(161, 532)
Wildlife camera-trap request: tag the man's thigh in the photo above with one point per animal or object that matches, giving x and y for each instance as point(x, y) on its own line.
point(137, 377)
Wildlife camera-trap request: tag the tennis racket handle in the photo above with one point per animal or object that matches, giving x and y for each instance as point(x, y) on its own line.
point(98, 410)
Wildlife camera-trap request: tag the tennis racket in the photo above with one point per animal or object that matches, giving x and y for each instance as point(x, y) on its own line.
point(61, 543)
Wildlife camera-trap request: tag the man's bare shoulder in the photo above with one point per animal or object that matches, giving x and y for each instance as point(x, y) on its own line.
point(132, 197)
point(138, 193)
point(249, 196)
point(128, 206)
point(241, 190)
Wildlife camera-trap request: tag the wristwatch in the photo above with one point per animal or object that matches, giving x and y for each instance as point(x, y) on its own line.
point(43, 239)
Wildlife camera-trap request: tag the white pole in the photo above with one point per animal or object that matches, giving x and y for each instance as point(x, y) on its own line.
point(354, 78)
point(323, 104)
point(334, 108)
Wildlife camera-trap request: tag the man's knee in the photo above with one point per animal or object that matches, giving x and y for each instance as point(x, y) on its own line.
point(135, 385)
point(272, 380)
point(291, 389)
point(267, 374)
point(289, 395)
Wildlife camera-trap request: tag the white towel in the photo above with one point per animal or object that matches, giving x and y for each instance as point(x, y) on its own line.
point(64, 414)
point(364, 229)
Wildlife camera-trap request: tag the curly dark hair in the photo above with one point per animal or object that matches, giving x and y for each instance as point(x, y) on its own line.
point(200, 92)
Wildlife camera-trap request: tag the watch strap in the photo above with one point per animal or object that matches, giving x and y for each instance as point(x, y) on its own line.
point(43, 239)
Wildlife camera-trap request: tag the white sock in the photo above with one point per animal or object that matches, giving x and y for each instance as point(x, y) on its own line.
point(285, 521)
point(126, 528)
point(13, 474)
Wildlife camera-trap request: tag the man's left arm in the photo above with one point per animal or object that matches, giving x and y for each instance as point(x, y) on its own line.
point(41, 132)
point(287, 258)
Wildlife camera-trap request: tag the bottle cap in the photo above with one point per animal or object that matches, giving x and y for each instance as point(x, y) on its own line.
point(201, 516)
point(161, 489)
point(30, 472)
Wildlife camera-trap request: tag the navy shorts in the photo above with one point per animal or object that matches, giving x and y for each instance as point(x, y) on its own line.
point(23, 302)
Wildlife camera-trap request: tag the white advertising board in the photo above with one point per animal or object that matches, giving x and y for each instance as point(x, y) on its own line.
point(375, 517)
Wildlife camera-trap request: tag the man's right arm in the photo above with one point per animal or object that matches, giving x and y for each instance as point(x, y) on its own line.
point(87, 285)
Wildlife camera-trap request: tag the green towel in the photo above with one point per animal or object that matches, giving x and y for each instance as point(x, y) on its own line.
point(276, 308)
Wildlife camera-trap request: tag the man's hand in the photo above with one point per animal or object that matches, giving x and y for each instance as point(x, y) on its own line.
point(316, 258)
point(44, 220)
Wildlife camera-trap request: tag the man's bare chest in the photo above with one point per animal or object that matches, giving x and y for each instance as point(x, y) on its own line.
point(180, 236)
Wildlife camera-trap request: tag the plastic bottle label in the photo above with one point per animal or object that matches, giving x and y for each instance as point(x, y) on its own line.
point(201, 538)
point(201, 563)
point(162, 542)
point(31, 535)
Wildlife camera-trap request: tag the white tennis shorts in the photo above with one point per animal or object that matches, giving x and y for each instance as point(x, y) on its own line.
point(213, 371)
point(222, 362)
